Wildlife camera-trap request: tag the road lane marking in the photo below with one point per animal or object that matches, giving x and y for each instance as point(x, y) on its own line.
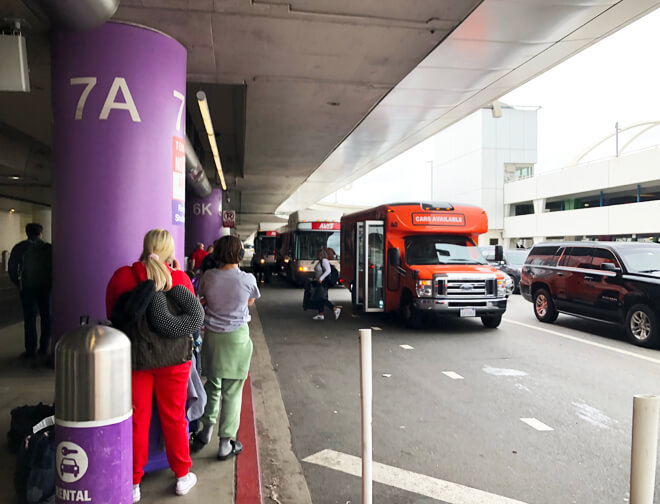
point(452, 375)
point(502, 371)
point(593, 415)
point(586, 341)
point(407, 347)
point(536, 424)
point(445, 491)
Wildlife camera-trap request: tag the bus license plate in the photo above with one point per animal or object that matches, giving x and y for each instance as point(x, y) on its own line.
point(468, 312)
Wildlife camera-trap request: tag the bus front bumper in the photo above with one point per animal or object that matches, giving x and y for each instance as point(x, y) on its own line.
point(462, 307)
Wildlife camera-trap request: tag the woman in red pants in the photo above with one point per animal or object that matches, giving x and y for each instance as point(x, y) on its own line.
point(169, 383)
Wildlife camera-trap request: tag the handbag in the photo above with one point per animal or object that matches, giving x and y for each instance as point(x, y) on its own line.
point(159, 324)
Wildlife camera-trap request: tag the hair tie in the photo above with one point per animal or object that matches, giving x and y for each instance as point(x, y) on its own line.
point(154, 256)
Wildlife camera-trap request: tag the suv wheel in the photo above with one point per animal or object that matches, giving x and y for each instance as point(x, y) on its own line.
point(491, 321)
point(642, 326)
point(544, 308)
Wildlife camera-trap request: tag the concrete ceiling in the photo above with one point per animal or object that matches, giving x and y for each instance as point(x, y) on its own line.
point(306, 95)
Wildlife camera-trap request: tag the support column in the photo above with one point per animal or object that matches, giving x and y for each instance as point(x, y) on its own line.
point(203, 219)
point(119, 157)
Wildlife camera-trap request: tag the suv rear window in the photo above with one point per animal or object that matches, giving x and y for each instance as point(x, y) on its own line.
point(546, 255)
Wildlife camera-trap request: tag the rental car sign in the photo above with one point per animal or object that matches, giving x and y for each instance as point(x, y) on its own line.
point(326, 226)
point(438, 219)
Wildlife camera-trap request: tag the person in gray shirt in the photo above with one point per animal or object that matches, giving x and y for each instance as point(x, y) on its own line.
point(227, 292)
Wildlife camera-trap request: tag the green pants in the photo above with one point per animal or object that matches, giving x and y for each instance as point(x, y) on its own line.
point(225, 363)
point(231, 392)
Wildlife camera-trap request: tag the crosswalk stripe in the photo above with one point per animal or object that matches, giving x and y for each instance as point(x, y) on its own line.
point(452, 375)
point(445, 491)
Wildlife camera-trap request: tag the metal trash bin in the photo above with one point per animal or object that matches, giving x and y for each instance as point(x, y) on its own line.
point(93, 417)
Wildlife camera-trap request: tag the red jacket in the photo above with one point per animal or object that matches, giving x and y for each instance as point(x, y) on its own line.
point(126, 278)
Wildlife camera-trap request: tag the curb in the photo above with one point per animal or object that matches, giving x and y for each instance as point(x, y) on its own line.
point(248, 467)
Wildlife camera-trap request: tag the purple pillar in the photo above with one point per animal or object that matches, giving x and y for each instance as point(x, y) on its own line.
point(119, 157)
point(203, 219)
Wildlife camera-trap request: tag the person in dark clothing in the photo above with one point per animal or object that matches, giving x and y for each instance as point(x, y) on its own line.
point(30, 269)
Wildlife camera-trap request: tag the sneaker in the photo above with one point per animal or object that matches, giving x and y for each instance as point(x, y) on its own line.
point(136, 493)
point(184, 484)
point(318, 317)
point(337, 311)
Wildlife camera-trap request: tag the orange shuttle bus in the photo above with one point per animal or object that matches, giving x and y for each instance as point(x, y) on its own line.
point(416, 258)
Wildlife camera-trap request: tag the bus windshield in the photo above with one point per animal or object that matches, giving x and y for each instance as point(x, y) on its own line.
point(265, 245)
point(309, 242)
point(442, 249)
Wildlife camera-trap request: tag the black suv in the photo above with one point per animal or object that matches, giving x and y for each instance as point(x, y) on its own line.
point(616, 282)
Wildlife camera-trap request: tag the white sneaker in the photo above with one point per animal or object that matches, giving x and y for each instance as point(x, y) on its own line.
point(337, 311)
point(318, 317)
point(184, 484)
point(136, 493)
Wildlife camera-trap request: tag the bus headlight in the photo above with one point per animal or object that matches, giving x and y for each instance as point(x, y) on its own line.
point(262, 260)
point(424, 288)
point(302, 268)
point(504, 286)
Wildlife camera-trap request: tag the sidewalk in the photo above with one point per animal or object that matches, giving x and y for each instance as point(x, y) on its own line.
point(241, 480)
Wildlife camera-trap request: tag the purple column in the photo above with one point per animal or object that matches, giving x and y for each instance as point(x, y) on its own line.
point(203, 219)
point(119, 157)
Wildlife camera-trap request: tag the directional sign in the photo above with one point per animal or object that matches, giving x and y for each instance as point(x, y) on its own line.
point(228, 218)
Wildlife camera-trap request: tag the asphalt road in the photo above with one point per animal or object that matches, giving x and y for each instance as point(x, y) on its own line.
point(466, 431)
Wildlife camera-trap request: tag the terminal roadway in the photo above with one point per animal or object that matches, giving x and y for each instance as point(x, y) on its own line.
point(448, 412)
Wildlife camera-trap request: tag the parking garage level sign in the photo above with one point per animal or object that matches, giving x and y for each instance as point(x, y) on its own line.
point(228, 219)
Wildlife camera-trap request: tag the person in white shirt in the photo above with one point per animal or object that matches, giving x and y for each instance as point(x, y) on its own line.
point(321, 271)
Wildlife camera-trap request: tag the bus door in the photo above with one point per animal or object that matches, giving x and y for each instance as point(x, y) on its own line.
point(374, 260)
point(359, 263)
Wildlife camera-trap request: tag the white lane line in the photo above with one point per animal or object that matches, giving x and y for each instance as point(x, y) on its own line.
point(452, 375)
point(585, 341)
point(536, 424)
point(445, 491)
point(407, 347)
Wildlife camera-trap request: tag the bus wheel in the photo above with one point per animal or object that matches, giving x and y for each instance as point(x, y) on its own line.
point(491, 321)
point(410, 315)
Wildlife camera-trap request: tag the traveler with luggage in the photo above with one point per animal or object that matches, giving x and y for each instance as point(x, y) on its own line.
point(30, 269)
point(154, 303)
point(323, 272)
point(227, 349)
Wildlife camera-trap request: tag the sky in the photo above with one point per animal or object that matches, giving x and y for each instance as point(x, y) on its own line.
point(580, 100)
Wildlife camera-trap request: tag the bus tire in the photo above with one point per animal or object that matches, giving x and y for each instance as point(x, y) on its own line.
point(409, 314)
point(491, 321)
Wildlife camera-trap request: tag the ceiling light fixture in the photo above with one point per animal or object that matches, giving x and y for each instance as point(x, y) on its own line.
point(14, 177)
point(12, 210)
point(208, 125)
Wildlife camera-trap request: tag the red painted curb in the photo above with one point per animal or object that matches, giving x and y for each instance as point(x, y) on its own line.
point(248, 469)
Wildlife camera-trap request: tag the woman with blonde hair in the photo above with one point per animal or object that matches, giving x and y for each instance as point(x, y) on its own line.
point(163, 366)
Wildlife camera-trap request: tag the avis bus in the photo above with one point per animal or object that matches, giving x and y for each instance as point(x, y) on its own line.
point(306, 232)
point(416, 258)
point(266, 256)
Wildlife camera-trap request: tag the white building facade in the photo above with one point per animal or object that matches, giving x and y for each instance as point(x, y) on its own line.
point(473, 159)
point(610, 199)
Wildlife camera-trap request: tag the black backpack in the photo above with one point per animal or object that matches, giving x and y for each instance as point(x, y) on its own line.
point(333, 278)
point(23, 418)
point(36, 266)
point(36, 471)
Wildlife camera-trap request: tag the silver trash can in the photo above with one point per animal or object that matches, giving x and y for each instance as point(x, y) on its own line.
point(93, 416)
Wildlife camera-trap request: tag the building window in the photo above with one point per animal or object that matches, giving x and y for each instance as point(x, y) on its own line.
point(517, 171)
point(523, 208)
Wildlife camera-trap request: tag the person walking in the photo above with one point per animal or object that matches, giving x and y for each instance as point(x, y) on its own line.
point(197, 257)
point(227, 348)
point(169, 383)
point(321, 271)
point(30, 269)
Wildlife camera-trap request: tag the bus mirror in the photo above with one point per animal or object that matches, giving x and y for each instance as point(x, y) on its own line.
point(393, 256)
point(499, 253)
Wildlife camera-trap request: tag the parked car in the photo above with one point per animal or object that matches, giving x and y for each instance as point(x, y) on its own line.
point(246, 261)
point(616, 282)
point(511, 262)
